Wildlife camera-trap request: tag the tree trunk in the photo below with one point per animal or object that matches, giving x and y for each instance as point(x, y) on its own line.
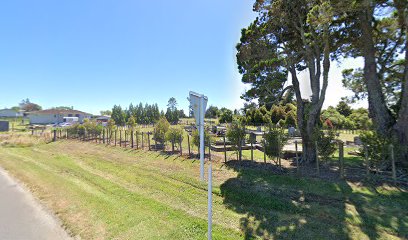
point(401, 127)
point(379, 111)
point(308, 147)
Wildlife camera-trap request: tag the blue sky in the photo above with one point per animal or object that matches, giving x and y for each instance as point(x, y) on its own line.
point(94, 54)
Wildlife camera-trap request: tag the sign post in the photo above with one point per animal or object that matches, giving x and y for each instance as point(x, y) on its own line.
point(198, 102)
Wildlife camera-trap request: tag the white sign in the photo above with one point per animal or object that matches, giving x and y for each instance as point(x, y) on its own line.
point(196, 101)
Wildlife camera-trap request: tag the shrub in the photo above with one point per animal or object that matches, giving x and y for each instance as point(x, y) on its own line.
point(160, 130)
point(236, 135)
point(175, 136)
point(196, 138)
point(88, 127)
point(326, 144)
point(275, 140)
point(225, 116)
point(131, 123)
point(376, 147)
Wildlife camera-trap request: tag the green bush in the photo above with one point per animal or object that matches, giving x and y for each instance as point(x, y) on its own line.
point(275, 140)
point(175, 136)
point(377, 147)
point(160, 130)
point(326, 143)
point(236, 133)
point(196, 138)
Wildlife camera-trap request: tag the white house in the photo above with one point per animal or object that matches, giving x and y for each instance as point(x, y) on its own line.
point(55, 116)
point(10, 113)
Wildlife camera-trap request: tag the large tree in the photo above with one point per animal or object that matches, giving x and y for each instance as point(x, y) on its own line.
point(287, 37)
point(28, 106)
point(381, 28)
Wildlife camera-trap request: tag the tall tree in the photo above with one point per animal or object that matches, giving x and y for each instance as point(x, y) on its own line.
point(28, 106)
point(287, 37)
point(344, 109)
point(382, 29)
point(118, 115)
point(172, 104)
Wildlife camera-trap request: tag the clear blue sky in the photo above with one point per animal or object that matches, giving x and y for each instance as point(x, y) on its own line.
point(94, 54)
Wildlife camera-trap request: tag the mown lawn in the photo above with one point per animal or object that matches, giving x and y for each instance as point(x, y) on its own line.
point(104, 192)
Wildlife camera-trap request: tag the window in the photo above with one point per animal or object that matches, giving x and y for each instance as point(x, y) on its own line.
point(76, 115)
point(55, 115)
point(70, 115)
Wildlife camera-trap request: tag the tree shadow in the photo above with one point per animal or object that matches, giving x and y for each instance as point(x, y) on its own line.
point(276, 205)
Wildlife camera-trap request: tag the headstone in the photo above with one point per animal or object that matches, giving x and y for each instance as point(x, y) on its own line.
point(357, 141)
point(291, 131)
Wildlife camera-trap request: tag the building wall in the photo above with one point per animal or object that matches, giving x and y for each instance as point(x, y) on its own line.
point(53, 118)
point(45, 118)
point(10, 113)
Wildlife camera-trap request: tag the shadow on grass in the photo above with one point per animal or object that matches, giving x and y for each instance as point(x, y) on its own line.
point(285, 207)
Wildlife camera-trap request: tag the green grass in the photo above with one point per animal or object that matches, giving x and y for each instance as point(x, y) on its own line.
point(104, 192)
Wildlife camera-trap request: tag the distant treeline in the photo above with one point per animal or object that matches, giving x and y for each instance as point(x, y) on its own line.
point(147, 113)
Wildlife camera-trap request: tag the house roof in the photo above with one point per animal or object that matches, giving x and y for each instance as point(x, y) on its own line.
point(58, 111)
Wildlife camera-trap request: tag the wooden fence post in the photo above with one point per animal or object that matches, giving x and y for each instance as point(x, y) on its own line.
point(317, 160)
point(148, 139)
point(341, 159)
point(55, 135)
point(394, 172)
point(240, 149)
point(181, 147)
point(131, 138)
point(264, 149)
point(103, 135)
point(297, 158)
point(225, 151)
point(137, 139)
point(279, 152)
point(188, 142)
point(155, 141)
point(252, 146)
point(125, 138)
point(120, 138)
point(367, 161)
point(142, 140)
point(116, 131)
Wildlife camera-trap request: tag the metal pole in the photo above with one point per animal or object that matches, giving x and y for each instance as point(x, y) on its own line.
point(210, 201)
point(201, 125)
